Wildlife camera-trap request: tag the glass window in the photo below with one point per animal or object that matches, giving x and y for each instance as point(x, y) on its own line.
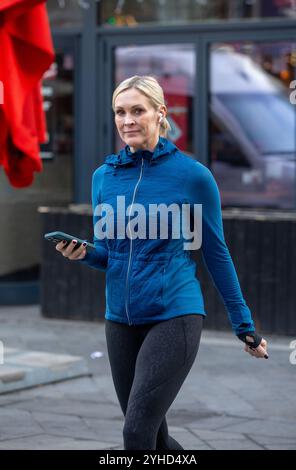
point(66, 13)
point(173, 66)
point(19, 220)
point(132, 12)
point(253, 123)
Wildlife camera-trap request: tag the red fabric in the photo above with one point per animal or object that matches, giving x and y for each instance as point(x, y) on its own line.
point(26, 52)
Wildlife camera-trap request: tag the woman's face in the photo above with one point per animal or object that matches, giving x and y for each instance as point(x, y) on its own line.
point(136, 120)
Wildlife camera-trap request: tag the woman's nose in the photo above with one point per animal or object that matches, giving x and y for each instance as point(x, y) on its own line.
point(129, 120)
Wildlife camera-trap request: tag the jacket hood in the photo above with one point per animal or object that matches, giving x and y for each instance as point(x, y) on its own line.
point(126, 157)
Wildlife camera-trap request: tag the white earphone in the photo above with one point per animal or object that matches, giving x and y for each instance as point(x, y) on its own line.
point(161, 117)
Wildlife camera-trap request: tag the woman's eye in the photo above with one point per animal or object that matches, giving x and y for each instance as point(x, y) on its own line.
point(121, 113)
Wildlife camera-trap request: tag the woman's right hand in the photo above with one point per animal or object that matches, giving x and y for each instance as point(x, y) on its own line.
point(69, 252)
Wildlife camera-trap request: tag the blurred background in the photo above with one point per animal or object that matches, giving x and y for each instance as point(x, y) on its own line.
point(226, 68)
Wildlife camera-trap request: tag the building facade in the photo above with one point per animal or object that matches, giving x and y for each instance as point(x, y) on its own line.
point(227, 69)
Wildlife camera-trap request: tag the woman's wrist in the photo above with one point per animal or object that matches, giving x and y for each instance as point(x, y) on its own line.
point(251, 338)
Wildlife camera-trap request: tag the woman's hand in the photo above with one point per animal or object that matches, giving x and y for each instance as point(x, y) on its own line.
point(260, 351)
point(69, 252)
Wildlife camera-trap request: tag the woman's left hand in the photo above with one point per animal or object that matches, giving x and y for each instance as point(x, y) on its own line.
point(260, 351)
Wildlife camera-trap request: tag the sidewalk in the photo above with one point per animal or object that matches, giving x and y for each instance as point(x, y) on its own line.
point(228, 401)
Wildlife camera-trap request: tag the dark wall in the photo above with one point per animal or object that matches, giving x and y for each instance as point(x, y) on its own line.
point(262, 246)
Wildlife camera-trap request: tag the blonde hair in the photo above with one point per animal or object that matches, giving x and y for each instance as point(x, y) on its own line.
point(150, 87)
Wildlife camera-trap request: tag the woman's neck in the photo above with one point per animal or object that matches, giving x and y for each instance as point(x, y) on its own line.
point(146, 146)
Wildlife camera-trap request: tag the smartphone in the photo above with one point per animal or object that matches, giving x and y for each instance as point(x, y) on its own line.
point(56, 237)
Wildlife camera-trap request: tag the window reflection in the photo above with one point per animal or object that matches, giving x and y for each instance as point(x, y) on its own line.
point(58, 90)
point(252, 124)
point(174, 67)
point(132, 12)
point(66, 13)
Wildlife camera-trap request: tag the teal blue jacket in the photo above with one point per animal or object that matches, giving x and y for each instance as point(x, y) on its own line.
point(151, 280)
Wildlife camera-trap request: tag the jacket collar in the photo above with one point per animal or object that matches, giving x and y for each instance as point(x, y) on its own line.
point(126, 157)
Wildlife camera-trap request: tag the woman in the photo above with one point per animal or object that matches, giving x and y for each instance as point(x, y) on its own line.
point(154, 305)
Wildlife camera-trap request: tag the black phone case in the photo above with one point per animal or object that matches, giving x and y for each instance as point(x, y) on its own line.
point(56, 237)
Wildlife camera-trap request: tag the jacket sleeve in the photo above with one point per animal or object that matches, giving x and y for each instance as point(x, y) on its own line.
point(215, 252)
point(97, 258)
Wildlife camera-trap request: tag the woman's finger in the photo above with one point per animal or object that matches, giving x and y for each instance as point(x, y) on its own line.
point(82, 254)
point(263, 343)
point(250, 351)
point(60, 246)
point(79, 253)
point(69, 249)
point(259, 352)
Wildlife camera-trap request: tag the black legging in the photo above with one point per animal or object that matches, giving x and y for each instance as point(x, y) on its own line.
point(149, 363)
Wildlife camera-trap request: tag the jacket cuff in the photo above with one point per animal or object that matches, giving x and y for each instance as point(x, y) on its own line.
point(256, 338)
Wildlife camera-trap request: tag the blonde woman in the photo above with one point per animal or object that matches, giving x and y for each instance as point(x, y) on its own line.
point(154, 304)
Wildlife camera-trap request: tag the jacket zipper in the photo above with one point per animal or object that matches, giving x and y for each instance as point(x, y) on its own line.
point(131, 244)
